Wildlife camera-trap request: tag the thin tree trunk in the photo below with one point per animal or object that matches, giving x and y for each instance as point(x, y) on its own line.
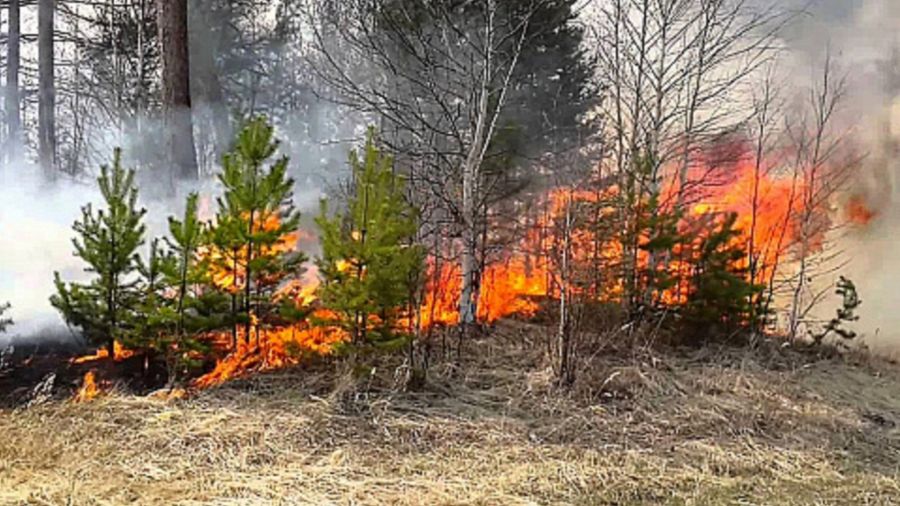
point(563, 336)
point(13, 107)
point(486, 117)
point(47, 88)
point(468, 303)
point(176, 93)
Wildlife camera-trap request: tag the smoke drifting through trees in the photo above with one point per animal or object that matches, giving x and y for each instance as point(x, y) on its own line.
point(462, 93)
point(858, 38)
point(108, 71)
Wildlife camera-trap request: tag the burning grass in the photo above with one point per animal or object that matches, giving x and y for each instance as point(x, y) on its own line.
point(702, 428)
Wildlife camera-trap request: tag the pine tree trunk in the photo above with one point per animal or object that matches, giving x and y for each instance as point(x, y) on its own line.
point(13, 107)
point(47, 88)
point(176, 93)
point(206, 85)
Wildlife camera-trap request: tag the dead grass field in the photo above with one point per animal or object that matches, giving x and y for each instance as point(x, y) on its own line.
point(721, 427)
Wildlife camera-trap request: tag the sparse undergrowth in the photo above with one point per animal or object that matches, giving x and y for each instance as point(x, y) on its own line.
point(717, 427)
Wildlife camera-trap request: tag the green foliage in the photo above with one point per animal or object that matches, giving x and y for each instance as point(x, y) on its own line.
point(178, 304)
point(720, 297)
point(107, 240)
point(153, 327)
point(659, 228)
point(369, 259)
point(850, 302)
point(4, 322)
point(255, 219)
point(555, 75)
point(649, 235)
point(188, 273)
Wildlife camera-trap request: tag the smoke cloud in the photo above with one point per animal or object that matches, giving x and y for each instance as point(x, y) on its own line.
point(861, 36)
point(36, 216)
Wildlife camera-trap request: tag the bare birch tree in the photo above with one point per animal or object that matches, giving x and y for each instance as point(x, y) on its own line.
point(13, 104)
point(438, 76)
point(673, 71)
point(823, 164)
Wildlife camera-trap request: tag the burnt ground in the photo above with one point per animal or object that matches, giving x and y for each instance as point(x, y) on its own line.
point(34, 362)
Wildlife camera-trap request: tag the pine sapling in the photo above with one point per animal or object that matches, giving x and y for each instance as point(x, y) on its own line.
point(368, 253)
point(256, 227)
point(5, 322)
point(107, 241)
point(845, 314)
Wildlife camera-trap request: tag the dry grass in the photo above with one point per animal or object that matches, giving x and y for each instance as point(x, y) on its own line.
point(726, 428)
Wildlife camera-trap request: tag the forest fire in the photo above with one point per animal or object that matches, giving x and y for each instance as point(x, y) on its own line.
point(765, 209)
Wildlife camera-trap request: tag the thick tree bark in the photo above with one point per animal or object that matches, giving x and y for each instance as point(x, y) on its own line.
point(205, 37)
point(47, 87)
point(13, 107)
point(176, 93)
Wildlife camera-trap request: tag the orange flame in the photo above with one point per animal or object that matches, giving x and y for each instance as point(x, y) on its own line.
point(89, 389)
point(230, 266)
point(272, 348)
point(120, 353)
point(858, 212)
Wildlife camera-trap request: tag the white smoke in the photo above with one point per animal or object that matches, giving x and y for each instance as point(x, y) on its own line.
point(36, 218)
point(863, 39)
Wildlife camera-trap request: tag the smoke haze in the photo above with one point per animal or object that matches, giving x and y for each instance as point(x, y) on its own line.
point(862, 38)
point(861, 35)
point(36, 217)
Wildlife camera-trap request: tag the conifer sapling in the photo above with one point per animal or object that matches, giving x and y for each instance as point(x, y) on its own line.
point(368, 252)
point(4, 322)
point(256, 226)
point(107, 240)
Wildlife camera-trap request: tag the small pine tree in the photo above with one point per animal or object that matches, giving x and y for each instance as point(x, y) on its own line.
point(4, 322)
point(850, 302)
point(648, 232)
point(660, 238)
point(719, 293)
point(368, 256)
point(154, 322)
point(176, 306)
point(186, 269)
point(107, 241)
point(255, 226)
